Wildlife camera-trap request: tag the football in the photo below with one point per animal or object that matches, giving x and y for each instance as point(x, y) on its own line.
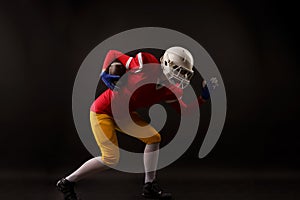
point(117, 68)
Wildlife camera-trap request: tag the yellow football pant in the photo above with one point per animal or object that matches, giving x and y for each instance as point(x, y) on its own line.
point(104, 130)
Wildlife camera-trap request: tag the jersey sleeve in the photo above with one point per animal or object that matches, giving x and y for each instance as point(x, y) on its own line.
point(186, 108)
point(114, 55)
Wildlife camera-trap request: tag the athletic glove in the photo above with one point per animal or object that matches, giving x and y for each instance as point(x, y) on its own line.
point(204, 92)
point(109, 79)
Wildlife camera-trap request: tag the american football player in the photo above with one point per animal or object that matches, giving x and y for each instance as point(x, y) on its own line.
point(174, 69)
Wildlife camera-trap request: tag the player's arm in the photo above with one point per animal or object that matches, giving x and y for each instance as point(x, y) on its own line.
point(177, 104)
point(181, 107)
point(112, 56)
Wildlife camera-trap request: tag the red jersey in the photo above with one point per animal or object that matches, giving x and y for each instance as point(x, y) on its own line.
point(140, 71)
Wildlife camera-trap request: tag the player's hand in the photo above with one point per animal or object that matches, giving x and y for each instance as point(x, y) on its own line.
point(109, 79)
point(204, 91)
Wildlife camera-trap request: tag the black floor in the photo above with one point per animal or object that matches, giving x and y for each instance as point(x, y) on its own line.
point(189, 183)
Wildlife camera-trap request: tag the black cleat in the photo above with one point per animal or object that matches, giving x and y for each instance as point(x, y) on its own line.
point(67, 188)
point(152, 190)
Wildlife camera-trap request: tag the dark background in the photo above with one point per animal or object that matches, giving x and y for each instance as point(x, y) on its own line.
point(253, 43)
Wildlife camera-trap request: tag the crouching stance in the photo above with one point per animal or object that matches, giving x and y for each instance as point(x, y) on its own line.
point(175, 70)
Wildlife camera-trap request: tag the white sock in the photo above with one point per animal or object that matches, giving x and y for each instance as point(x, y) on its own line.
point(151, 153)
point(91, 166)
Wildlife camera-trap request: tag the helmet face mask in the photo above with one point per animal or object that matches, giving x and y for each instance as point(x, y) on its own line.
point(178, 76)
point(177, 65)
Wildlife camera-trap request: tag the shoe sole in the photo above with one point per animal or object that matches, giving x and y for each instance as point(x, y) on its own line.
point(156, 198)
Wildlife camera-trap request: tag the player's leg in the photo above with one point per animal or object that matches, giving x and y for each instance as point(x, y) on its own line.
point(66, 185)
point(103, 128)
point(151, 153)
point(151, 188)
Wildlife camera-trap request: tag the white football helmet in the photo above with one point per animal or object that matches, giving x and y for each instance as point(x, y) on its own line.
point(177, 64)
